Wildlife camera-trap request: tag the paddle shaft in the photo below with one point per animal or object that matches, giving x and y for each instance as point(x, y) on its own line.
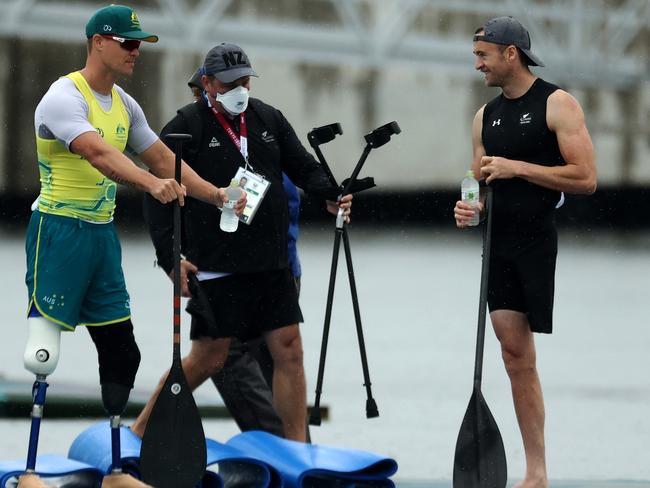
point(480, 459)
point(173, 452)
point(176, 249)
point(482, 306)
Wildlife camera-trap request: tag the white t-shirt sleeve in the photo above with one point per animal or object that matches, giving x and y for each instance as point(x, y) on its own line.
point(62, 113)
point(141, 137)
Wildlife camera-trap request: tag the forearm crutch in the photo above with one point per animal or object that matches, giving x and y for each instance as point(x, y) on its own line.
point(376, 138)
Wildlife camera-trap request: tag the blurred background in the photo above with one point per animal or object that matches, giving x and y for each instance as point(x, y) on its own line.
point(364, 63)
point(361, 63)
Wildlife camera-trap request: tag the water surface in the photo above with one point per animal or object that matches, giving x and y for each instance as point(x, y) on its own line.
point(418, 291)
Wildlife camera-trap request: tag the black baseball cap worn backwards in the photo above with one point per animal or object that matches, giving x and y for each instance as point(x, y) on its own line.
point(509, 31)
point(227, 63)
point(119, 21)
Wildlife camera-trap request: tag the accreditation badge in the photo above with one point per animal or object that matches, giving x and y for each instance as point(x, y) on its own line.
point(255, 187)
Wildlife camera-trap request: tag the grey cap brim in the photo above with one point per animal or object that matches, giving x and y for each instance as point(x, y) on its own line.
point(534, 60)
point(234, 74)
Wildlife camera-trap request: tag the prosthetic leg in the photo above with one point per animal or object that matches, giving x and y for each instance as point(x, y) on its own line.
point(115, 398)
point(115, 395)
point(41, 358)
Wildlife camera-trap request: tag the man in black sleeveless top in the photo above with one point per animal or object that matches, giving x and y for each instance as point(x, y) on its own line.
point(530, 144)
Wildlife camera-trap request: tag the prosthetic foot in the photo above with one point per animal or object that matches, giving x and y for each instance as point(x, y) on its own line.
point(31, 481)
point(122, 480)
point(115, 397)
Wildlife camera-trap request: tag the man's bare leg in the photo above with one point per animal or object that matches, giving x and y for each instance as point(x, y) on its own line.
point(206, 357)
point(289, 388)
point(519, 357)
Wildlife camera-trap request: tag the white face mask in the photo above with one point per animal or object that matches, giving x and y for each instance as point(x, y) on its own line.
point(234, 101)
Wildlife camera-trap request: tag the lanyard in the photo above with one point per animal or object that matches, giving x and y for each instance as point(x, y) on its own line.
point(240, 142)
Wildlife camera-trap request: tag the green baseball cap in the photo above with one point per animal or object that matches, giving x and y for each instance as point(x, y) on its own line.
point(120, 21)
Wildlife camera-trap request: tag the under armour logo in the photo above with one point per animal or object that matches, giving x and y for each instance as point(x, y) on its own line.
point(496, 122)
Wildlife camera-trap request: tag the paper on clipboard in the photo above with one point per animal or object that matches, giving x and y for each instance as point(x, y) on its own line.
point(255, 187)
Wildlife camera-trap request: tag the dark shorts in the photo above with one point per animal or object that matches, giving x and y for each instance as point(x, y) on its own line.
point(522, 276)
point(244, 305)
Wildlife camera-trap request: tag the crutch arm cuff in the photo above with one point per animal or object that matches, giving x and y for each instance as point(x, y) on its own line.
point(359, 185)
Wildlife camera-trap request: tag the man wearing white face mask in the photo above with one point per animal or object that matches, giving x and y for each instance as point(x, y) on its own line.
point(244, 277)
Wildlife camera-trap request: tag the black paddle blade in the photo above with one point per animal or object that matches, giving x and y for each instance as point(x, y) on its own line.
point(173, 453)
point(480, 459)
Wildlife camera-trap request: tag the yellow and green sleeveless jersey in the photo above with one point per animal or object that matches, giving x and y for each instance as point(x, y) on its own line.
point(70, 185)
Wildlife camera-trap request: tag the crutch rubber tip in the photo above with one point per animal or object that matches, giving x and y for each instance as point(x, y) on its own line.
point(371, 409)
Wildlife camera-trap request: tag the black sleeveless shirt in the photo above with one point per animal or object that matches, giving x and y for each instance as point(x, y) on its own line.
point(516, 129)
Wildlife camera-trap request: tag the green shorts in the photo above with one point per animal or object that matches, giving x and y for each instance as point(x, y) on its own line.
point(74, 271)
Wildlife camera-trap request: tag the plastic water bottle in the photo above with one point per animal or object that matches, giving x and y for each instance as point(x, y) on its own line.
point(469, 193)
point(229, 220)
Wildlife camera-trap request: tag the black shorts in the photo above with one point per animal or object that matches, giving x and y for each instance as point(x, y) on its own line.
point(522, 276)
point(243, 305)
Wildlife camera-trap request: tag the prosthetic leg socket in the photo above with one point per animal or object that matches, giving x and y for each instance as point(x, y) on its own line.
point(43, 345)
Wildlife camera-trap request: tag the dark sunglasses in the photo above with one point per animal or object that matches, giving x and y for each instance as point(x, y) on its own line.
point(126, 44)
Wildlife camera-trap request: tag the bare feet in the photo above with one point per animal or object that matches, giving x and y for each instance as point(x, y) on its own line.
point(31, 481)
point(122, 481)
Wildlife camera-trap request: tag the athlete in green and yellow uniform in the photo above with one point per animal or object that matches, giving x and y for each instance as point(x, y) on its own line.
point(74, 272)
point(74, 275)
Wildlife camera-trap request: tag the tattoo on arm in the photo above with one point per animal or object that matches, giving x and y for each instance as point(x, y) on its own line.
point(121, 181)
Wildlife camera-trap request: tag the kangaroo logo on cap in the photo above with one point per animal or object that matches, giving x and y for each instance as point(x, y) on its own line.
point(134, 20)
